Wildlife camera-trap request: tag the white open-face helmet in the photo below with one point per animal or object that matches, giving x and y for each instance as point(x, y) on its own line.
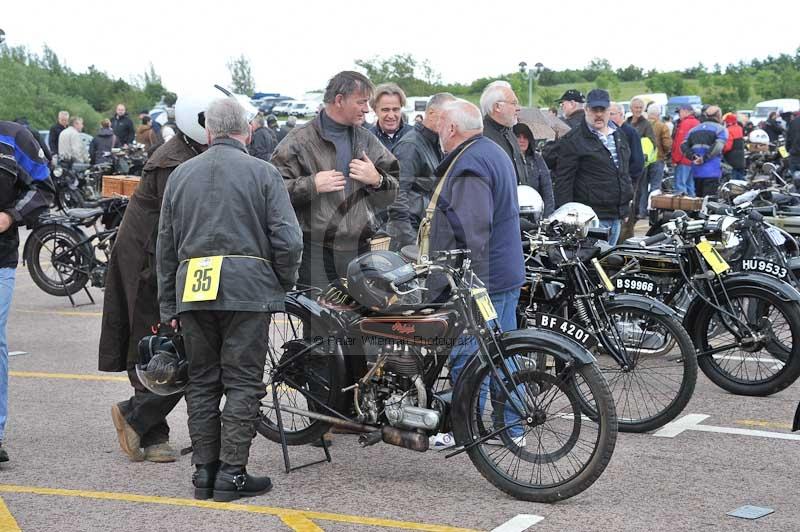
point(758, 136)
point(190, 110)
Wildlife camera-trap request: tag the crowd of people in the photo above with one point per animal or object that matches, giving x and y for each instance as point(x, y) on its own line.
point(232, 211)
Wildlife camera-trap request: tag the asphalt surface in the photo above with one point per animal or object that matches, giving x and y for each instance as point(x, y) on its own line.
point(67, 472)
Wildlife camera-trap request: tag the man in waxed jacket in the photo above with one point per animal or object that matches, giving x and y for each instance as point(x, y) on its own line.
point(418, 153)
point(229, 248)
point(338, 175)
point(25, 191)
point(593, 166)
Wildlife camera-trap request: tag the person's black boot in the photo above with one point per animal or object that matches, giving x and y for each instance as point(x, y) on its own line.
point(203, 480)
point(3, 453)
point(233, 482)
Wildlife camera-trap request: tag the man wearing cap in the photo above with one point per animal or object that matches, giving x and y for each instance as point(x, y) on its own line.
point(683, 166)
point(703, 146)
point(593, 166)
point(571, 103)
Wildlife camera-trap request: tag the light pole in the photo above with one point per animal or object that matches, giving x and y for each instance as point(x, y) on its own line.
point(531, 75)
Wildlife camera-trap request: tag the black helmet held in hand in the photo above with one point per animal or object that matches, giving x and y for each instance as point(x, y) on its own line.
point(163, 368)
point(370, 278)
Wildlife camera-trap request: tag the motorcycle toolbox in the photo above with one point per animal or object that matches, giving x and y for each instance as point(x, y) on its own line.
point(676, 202)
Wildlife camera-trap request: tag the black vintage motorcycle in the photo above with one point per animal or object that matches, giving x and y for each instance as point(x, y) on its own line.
point(745, 325)
point(525, 429)
point(66, 251)
point(641, 346)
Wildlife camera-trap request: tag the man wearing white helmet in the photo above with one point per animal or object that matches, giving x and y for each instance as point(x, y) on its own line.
point(130, 305)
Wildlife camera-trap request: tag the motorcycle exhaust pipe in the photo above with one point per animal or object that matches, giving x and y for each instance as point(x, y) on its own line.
point(349, 425)
point(409, 439)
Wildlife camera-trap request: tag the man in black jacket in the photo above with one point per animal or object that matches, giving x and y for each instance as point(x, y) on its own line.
point(263, 141)
point(793, 143)
point(571, 103)
point(25, 192)
point(418, 153)
point(593, 166)
point(123, 126)
point(55, 131)
point(500, 109)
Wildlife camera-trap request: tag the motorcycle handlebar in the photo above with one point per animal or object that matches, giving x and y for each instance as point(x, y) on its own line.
point(655, 239)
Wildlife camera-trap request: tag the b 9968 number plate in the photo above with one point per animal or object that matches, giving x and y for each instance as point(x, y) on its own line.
point(567, 328)
point(636, 285)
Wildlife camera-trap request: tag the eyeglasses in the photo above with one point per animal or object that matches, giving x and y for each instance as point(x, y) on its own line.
point(515, 103)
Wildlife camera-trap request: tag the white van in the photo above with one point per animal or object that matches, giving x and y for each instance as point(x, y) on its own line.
point(656, 97)
point(415, 105)
point(782, 105)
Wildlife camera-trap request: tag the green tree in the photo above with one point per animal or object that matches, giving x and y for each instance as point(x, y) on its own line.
point(630, 73)
point(668, 82)
point(241, 76)
point(609, 81)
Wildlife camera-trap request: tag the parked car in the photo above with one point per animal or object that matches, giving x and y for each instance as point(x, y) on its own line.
point(781, 105)
point(282, 108)
point(302, 109)
point(267, 105)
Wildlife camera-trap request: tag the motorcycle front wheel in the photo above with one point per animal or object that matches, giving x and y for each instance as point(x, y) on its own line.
point(555, 452)
point(56, 262)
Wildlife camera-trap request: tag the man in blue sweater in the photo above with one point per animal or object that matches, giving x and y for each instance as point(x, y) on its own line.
point(703, 146)
point(478, 210)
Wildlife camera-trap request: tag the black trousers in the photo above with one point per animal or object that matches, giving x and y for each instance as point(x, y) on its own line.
point(706, 186)
point(147, 412)
point(226, 352)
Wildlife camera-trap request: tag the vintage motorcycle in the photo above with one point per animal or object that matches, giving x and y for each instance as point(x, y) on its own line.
point(372, 346)
point(641, 346)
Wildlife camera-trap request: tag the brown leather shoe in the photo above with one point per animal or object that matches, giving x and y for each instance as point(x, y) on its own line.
point(128, 439)
point(160, 452)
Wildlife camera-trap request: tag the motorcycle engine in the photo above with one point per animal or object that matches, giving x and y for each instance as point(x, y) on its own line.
point(396, 392)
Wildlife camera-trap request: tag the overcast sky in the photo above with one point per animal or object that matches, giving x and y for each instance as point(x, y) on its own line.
point(295, 46)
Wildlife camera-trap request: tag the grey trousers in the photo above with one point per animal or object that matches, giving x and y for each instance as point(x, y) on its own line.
point(226, 352)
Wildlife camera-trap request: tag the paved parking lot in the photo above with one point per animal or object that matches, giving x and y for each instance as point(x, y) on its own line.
point(68, 474)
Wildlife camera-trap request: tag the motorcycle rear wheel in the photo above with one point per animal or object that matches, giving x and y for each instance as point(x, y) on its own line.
point(55, 262)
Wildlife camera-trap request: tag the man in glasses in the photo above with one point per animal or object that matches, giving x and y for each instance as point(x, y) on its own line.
point(500, 109)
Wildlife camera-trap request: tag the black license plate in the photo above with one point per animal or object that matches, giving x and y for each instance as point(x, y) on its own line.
point(567, 328)
point(635, 284)
point(764, 266)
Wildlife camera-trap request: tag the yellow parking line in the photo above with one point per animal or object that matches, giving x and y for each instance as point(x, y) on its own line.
point(289, 516)
point(7, 521)
point(59, 312)
point(75, 376)
point(760, 423)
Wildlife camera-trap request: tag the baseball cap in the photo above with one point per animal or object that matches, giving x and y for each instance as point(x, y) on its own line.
point(686, 107)
point(598, 98)
point(572, 95)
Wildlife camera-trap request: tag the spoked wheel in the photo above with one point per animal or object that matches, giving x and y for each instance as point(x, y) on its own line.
point(552, 453)
point(660, 381)
point(309, 380)
point(56, 263)
point(739, 354)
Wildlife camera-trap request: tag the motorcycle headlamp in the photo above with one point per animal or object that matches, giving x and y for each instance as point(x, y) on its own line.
point(58, 172)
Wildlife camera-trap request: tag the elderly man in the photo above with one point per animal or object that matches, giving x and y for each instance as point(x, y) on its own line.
point(636, 166)
point(55, 131)
point(247, 244)
point(338, 175)
point(500, 108)
point(418, 153)
point(387, 103)
point(703, 146)
point(683, 166)
point(70, 145)
point(478, 210)
point(639, 122)
point(123, 126)
point(571, 103)
point(593, 167)
point(655, 172)
point(263, 141)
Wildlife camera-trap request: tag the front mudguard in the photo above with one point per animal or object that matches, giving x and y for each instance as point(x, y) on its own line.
point(759, 282)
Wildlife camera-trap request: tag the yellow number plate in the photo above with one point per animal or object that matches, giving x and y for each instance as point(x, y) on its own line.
point(484, 304)
point(712, 257)
point(783, 151)
point(202, 279)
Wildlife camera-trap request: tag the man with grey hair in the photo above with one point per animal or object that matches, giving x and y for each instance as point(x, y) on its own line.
point(70, 145)
point(663, 146)
point(338, 175)
point(229, 248)
point(263, 140)
point(388, 103)
point(419, 154)
point(500, 108)
point(640, 122)
point(286, 128)
point(55, 131)
point(477, 209)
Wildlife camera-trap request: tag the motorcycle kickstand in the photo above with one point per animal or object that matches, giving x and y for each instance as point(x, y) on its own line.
point(284, 446)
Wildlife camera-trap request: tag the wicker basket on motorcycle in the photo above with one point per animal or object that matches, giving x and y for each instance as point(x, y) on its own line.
point(380, 243)
point(119, 185)
point(676, 202)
